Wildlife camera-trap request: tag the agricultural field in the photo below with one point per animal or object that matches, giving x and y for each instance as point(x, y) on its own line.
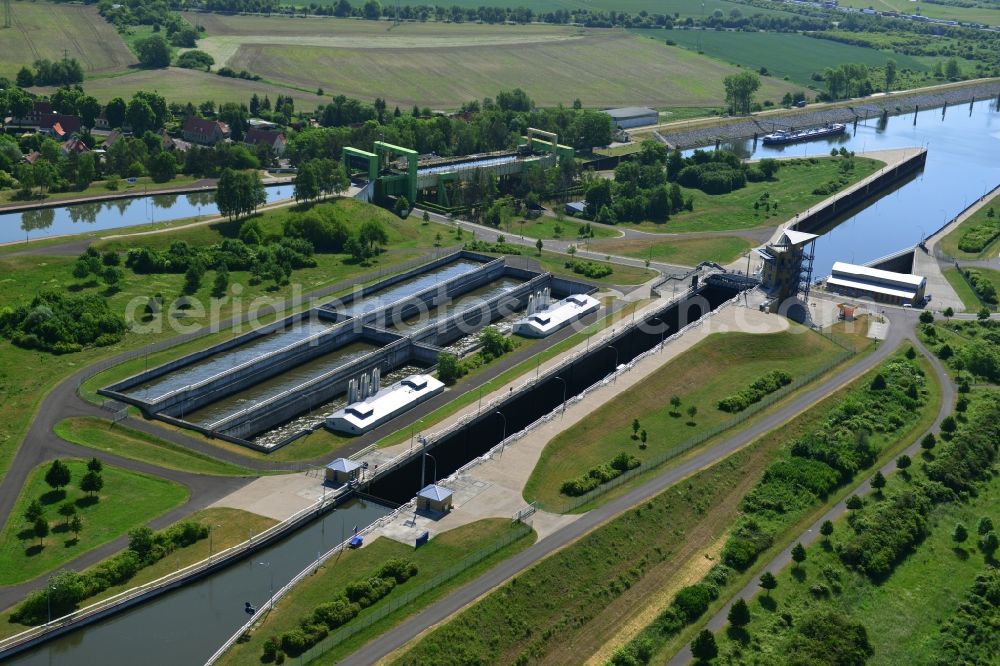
point(444, 65)
point(43, 30)
point(931, 10)
point(783, 54)
point(715, 368)
point(683, 7)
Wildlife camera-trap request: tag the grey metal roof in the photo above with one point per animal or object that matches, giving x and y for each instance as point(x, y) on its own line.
point(435, 492)
point(631, 112)
point(343, 465)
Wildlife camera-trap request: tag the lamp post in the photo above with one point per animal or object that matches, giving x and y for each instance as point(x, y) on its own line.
point(434, 480)
point(564, 393)
point(615, 368)
point(210, 530)
point(48, 596)
point(504, 437)
point(663, 331)
point(270, 597)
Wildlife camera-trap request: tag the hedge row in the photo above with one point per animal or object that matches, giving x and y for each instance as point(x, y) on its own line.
point(825, 458)
point(687, 606)
point(761, 387)
point(326, 617)
point(970, 635)
point(70, 587)
point(601, 474)
point(980, 236)
point(589, 269)
point(980, 284)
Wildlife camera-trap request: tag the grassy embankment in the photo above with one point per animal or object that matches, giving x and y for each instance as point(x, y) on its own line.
point(21, 389)
point(717, 367)
point(129, 499)
point(551, 228)
point(602, 581)
point(440, 553)
point(141, 187)
point(229, 527)
point(980, 224)
point(104, 436)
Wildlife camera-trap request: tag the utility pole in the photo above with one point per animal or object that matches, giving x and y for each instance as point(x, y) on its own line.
point(6, 14)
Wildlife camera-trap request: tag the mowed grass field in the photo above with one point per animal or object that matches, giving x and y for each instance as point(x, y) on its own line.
point(445, 65)
point(783, 54)
point(678, 249)
point(44, 30)
point(719, 366)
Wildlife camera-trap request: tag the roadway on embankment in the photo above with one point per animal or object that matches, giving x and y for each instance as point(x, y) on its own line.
point(784, 558)
point(445, 608)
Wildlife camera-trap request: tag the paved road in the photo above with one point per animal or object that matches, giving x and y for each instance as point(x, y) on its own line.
point(454, 602)
point(784, 558)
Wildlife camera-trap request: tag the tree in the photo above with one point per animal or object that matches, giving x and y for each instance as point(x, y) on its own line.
point(91, 483)
point(41, 530)
point(25, 78)
point(960, 533)
point(740, 89)
point(449, 369)
point(372, 10)
point(890, 74)
point(112, 276)
point(739, 613)
point(539, 245)
point(984, 525)
point(58, 474)
point(140, 541)
point(114, 112)
point(768, 582)
point(195, 60)
point(162, 167)
point(703, 646)
point(239, 193)
point(76, 524)
point(635, 428)
point(153, 51)
point(675, 401)
point(878, 382)
point(769, 166)
point(221, 281)
point(826, 529)
point(854, 503)
point(95, 465)
point(928, 442)
point(989, 544)
point(951, 69)
point(89, 109)
point(34, 511)
point(926, 317)
point(643, 436)
point(948, 312)
point(903, 462)
point(139, 115)
point(67, 510)
point(983, 314)
point(878, 481)
point(798, 554)
point(372, 235)
point(86, 170)
point(692, 412)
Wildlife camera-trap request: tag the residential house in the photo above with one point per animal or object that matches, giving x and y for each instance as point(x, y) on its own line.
point(170, 144)
point(74, 145)
point(276, 140)
point(206, 132)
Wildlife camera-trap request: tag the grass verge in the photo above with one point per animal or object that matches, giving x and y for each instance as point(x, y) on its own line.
point(103, 435)
point(962, 289)
point(129, 499)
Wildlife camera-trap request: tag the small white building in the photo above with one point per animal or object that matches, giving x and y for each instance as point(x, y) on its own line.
point(544, 318)
point(363, 415)
point(633, 116)
point(876, 284)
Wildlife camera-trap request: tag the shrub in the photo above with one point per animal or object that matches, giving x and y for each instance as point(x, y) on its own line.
point(762, 386)
point(581, 485)
point(62, 323)
point(885, 531)
point(692, 601)
point(590, 269)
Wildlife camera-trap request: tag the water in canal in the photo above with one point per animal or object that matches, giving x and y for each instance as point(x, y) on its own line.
point(115, 214)
point(963, 162)
point(237, 402)
point(470, 299)
point(408, 287)
point(187, 625)
point(188, 375)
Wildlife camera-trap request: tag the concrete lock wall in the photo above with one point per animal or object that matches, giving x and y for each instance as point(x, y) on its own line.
point(115, 390)
point(262, 368)
point(313, 393)
point(851, 198)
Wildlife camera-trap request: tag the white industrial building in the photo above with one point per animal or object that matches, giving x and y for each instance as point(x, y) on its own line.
point(370, 407)
point(633, 116)
point(876, 284)
point(545, 318)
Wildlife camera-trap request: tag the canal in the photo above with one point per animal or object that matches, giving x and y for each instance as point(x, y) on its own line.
point(963, 163)
point(115, 214)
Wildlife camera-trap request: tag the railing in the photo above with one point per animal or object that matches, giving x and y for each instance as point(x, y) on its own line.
point(360, 624)
point(308, 571)
point(192, 570)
